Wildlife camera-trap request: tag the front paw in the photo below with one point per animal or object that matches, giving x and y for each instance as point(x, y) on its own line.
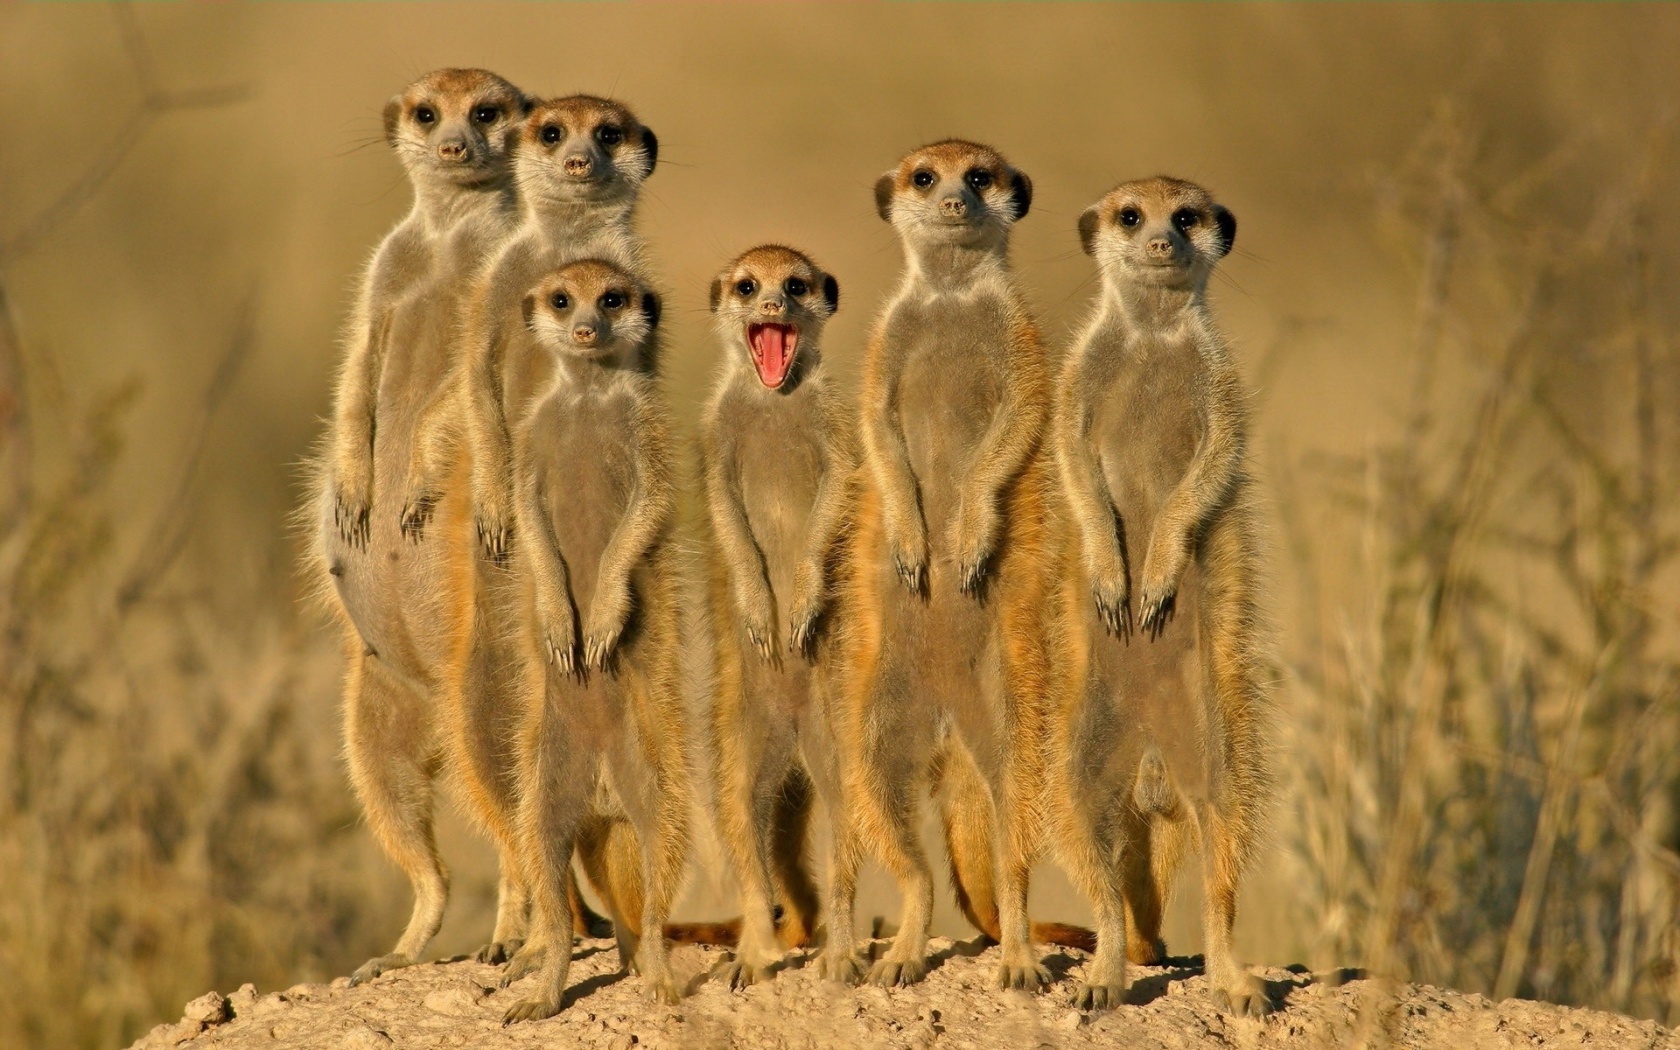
point(1110, 592)
point(910, 556)
point(600, 641)
point(417, 514)
point(1156, 608)
point(1089, 996)
point(351, 513)
point(560, 646)
point(973, 539)
point(662, 990)
point(891, 973)
point(756, 620)
point(1162, 569)
point(1026, 975)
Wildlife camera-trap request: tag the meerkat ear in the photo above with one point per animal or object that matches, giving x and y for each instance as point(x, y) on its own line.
point(831, 293)
point(393, 113)
point(526, 105)
point(717, 293)
point(1089, 219)
point(1227, 224)
point(529, 308)
point(650, 309)
point(1020, 191)
point(650, 144)
point(884, 195)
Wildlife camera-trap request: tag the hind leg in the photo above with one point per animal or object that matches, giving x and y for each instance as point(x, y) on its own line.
point(558, 784)
point(885, 793)
point(652, 784)
point(1095, 854)
point(752, 775)
point(1235, 990)
point(392, 758)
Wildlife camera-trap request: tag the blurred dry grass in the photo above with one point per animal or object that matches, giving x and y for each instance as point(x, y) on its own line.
point(1455, 288)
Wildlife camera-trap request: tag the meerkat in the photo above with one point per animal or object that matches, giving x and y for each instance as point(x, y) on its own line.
point(1163, 732)
point(578, 163)
point(946, 661)
point(405, 607)
point(604, 766)
point(777, 457)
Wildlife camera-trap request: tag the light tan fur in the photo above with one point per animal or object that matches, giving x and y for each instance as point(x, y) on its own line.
point(778, 459)
point(947, 586)
point(604, 765)
point(405, 606)
point(576, 197)
point(1161, 737)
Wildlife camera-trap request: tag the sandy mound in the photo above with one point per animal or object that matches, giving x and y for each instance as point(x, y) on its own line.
point(455, 1004)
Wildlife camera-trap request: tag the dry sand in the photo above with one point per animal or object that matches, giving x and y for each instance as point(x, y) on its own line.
point(456, 1003)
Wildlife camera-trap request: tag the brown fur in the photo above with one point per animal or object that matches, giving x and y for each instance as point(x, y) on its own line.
point(604, 764)
point(1161, 737)
point(777, 463)
point(947, 586)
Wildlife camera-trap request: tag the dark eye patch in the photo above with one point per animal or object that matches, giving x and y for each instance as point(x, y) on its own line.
point(745, 287)
point(559, 301)
point(550, 133)
point(795, 286)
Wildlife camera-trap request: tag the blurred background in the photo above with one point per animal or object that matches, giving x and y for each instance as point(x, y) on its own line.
point(1453, 293)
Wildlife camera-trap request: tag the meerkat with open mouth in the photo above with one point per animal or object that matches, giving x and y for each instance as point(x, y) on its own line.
point(777, 458)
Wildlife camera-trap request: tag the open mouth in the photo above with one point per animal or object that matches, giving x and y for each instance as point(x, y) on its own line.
point(773, 347)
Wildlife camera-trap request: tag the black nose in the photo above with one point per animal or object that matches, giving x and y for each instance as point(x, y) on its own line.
point(577, 165)
point(1159, 247)
point(954, 206)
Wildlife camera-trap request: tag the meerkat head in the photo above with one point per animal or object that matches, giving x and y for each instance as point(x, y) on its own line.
point(770, 302)
point(593, 311)
point(953, 193)
point(1162, 232)
point(583, 149)
point(456, 125)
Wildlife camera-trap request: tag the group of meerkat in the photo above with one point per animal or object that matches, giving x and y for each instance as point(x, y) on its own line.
point(1031, 596)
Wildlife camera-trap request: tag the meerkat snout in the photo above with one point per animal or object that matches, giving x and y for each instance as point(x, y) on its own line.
point(578, 166)
point(954, 206)
point(455, 150)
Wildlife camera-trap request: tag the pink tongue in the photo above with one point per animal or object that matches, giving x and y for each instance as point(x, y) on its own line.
point(772, 355)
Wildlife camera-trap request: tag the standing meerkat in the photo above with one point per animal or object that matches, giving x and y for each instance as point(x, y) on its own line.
point(947, 581)
point(406, 606)
point(604, 766)
point(578, 163)
point(778, 458)
point(1163, 733)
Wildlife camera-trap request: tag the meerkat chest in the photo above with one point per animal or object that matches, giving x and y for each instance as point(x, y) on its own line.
point(583, 450)
point(779, 465)
point(1148, 419)
point(952, 356)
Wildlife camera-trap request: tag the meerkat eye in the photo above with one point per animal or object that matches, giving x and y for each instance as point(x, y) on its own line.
point(559, 301)
point(745, 287)
point(1185, 218)
point(978, 179)
point(795, 287)
point(1130, 217)
point(609, 134)
point(922, 179)
point(612, 301)
point(550, 133)
point(425, 114)
point(486, 114)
